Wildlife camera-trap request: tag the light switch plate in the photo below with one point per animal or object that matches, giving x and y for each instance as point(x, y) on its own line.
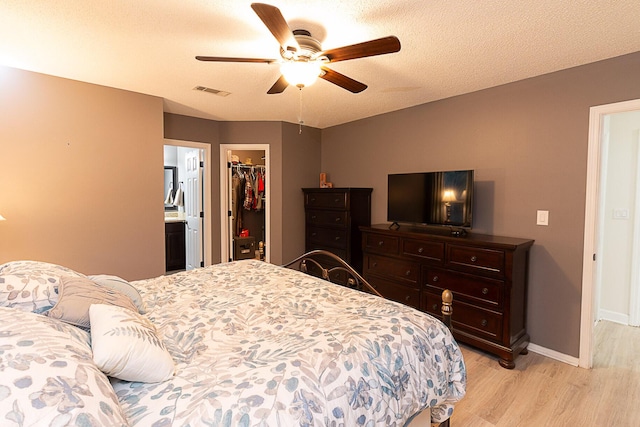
point(542, 218)
point(621, 214)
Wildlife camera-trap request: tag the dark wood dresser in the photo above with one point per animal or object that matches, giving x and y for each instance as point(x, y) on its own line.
point(487, 275)
point(332, 220)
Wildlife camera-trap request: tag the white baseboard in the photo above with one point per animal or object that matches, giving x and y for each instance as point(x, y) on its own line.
point(613, 316)
point(552, 354)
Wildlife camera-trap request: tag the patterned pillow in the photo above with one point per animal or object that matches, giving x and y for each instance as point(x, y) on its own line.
point(31, 285)
point(48, 376)
point(126, 346)
point(76, 296)
point(121, 285)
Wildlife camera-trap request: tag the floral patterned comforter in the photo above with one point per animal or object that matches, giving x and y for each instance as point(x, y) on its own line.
point(260, 345)
point(47, 375)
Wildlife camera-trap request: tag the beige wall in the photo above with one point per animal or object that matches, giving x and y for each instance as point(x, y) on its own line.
point(80, 175)
point(85, 194)
point(216, 133)
point(295, 162)
point(206, 131)
point(301, 169)
point(527, 142)
point(82, 184)
point(262, 133)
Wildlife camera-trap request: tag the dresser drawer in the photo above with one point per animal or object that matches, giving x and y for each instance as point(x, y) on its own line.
point(326, 200)
point(465, 317)
point(392, 290)
point(328, 218)
point(381, 244)
point(478, 290)
point(432, 251)
point(397, 269)
point(476, 259)
point(334, 237)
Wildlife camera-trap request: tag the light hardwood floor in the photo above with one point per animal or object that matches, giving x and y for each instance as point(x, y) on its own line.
point(543, 392)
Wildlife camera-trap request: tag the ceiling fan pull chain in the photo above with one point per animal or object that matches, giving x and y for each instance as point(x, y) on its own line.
point(300, 121)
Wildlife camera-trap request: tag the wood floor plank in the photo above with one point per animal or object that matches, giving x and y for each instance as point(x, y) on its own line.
point(544, 392)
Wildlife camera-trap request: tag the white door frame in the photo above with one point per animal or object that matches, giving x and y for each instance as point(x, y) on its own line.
point(224, 200)
point(206, 203)
point(591, 224)
point(634, 291)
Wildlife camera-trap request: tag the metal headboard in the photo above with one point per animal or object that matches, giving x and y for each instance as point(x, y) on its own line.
point(330, 265)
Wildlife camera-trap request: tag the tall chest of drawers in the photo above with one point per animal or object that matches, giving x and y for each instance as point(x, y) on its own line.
point(487, 275)
point(332, 220)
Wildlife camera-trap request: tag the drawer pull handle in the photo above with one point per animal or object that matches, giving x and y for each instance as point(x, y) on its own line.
point(434, 307)
point(338, 219)
point(485, 291)
point(407, 298)
point(484, 322)
point(337, 238)
point(435, 278)
point(420, 250)
point(313, 217)
point(374, 265)
point(337, 200)
point(381, 242)
point(407, 273)
point(313, 199)
point(474, 258)
point(314, 234)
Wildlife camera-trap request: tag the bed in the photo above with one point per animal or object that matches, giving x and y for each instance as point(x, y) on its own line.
point(244, 343)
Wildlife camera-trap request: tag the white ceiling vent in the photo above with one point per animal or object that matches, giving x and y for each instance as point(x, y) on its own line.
point(213, 91)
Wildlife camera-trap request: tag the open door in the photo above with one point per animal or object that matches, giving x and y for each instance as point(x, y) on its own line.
point(193, 209)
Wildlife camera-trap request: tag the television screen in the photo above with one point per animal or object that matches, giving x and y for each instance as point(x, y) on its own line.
point(431, 198)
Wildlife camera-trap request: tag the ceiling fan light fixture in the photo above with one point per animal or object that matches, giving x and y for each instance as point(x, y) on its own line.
point(303, 59)
point(301, 73)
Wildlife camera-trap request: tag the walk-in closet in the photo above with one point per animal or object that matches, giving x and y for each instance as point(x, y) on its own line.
point(246, 178)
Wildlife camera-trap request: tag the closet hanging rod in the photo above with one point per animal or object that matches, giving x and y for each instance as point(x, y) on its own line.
point(249, 166)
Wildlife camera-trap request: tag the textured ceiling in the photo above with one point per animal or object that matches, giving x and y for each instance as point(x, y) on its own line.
point(449, 47)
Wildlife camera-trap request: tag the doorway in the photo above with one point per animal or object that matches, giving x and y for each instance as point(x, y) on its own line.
point(244, 201)
point(191, 204)
point(594, 226)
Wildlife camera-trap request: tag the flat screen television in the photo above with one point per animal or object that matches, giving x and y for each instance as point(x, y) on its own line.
point(431, 198)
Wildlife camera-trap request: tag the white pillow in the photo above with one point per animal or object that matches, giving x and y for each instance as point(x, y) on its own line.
point(121, 285)
point(126, 346)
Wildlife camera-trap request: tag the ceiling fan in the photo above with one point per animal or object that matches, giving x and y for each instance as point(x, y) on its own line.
point(303, 59)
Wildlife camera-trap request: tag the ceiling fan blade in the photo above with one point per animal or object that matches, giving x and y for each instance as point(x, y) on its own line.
point(273, 19)
point(381, 46)
point(279, 86)
point(343, 81)
point(227, 59)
